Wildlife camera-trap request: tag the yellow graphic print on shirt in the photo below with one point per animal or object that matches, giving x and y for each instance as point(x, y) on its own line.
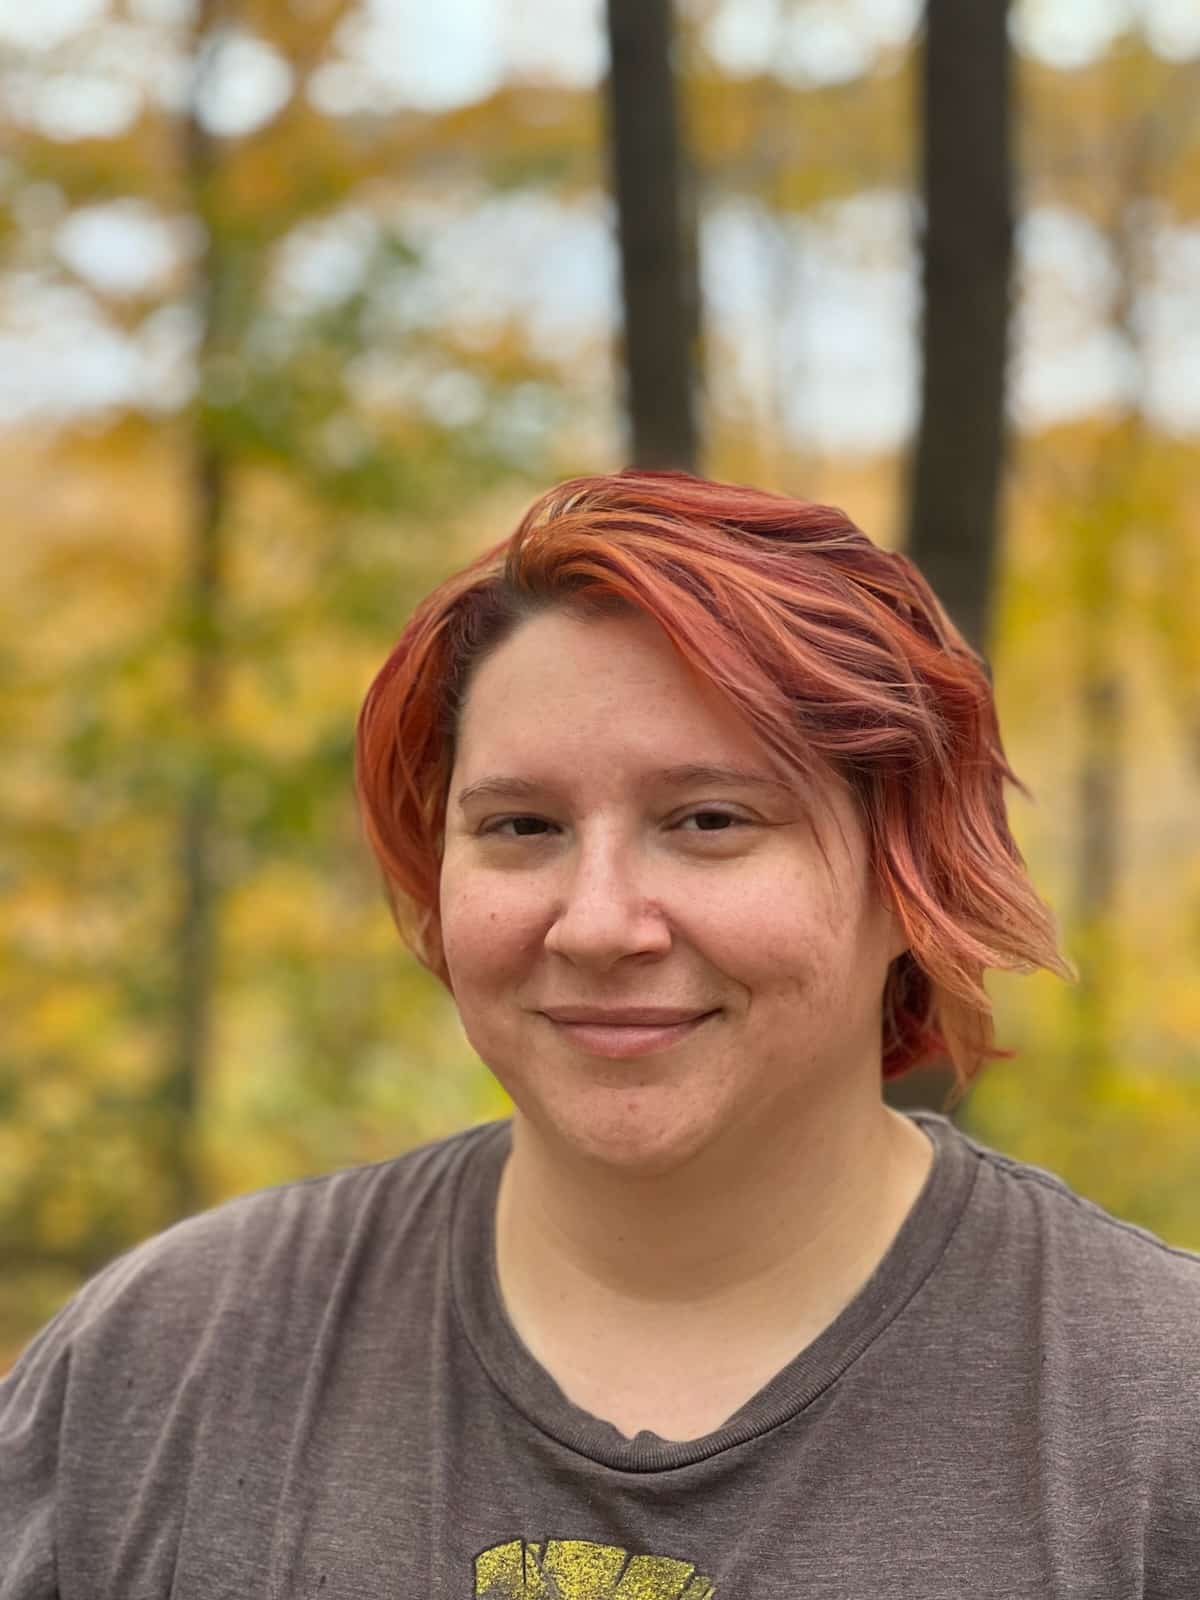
point(575, 1569)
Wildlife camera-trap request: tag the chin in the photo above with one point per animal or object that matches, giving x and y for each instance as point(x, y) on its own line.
point(632, 1136)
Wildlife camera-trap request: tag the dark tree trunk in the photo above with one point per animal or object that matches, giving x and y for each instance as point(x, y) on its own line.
point(967, 245)
point(1097, 878)
point(1099, 553)
point(202, 603)
point(655, 218)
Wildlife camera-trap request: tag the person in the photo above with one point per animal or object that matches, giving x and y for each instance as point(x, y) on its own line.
point(693, 799)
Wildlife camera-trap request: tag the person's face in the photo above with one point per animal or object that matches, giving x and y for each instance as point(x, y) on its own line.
point(620, 888)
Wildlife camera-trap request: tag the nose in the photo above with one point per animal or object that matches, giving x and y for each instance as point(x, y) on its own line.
point(604, 908)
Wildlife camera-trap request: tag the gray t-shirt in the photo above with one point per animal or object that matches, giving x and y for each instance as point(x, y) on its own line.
point(314, 1392)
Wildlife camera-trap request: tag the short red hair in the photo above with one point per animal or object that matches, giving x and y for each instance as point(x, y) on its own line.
point(839, 655)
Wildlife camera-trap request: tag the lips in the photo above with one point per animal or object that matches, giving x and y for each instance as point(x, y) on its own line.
point(627, 1039)
point(627, 1016)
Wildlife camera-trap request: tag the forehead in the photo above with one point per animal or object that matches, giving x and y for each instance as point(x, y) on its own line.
point(560, 678)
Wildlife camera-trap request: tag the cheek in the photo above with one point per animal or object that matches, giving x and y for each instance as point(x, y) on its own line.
point(790, 943)
point(484, 927)
point(467, 923)
point(776, 922)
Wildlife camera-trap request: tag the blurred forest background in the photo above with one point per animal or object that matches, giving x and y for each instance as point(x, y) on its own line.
point(302, 301)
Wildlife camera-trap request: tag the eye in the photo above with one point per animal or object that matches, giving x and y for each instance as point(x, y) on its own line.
point(500, 823)
point(721, 816)
point(504, 822)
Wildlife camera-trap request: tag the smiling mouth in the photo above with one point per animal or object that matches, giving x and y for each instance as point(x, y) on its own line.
point(622, 1040)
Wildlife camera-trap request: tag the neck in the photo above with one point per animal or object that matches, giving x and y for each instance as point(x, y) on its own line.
point(789, 1227)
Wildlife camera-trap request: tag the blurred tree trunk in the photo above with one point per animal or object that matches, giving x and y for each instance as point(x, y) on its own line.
point(1106, 527)
point(1094, 928)
point(967, 246)
point(201, 603)
point(656, 226)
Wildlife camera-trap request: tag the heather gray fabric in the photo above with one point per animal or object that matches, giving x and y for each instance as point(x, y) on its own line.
point(314, 1391)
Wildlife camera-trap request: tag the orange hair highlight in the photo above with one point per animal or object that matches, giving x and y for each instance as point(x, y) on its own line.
point(839, 655)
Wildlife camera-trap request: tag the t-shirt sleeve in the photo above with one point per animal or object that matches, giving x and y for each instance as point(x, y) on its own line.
point(35, 1459)
point(100, 1416)
point(31, 1413)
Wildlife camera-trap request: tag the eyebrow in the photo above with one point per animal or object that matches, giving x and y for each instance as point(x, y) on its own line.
point(689, 774)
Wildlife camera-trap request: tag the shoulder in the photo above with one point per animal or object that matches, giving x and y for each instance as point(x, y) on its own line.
point(1129, 1295)
point(211, 1327)
point(1043, 1198)
point(272, 1253)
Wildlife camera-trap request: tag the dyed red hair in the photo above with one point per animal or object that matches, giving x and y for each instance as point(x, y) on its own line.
point(839, 655)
